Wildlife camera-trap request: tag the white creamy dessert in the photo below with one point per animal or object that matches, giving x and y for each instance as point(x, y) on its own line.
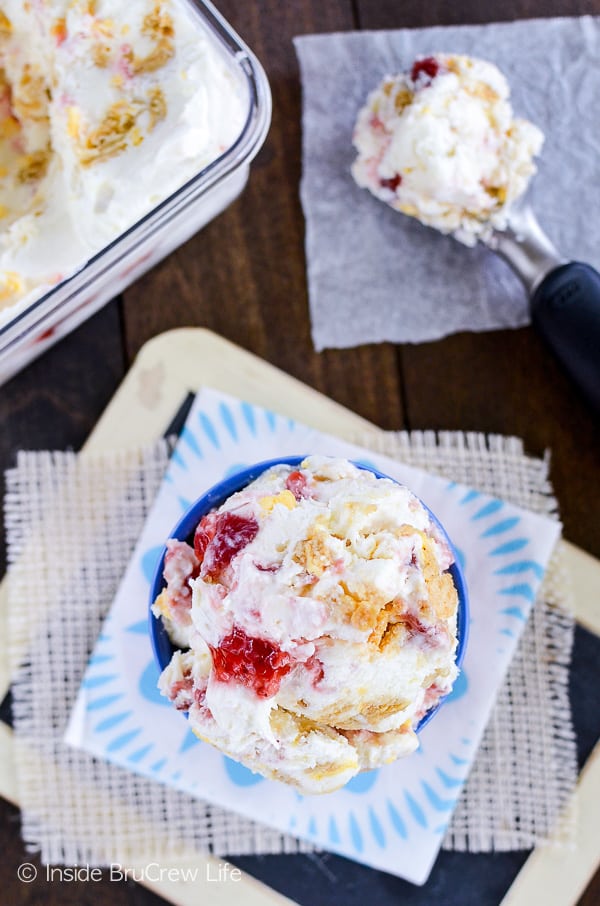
point(440, 143)
point(321, 623)
point(106, 109)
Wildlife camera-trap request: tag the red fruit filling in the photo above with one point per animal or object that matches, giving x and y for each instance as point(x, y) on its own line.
point(219, 537)
point(205, 532)
point(187, 693)
point(297, 483)
point(315, 666)
point(252, 662)
point(185, 686)
point(181, 565)
point(416, 627)
point(268, 568)
point(182, 685)
point(428, 65)
point(392, 183)
point(431, 698)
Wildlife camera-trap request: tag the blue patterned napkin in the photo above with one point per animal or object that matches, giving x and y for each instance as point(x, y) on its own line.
point(392, 818)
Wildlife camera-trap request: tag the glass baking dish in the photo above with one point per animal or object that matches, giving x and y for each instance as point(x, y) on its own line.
point(33, 329)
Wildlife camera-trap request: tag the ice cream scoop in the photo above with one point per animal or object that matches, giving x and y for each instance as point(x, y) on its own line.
point(440, 143)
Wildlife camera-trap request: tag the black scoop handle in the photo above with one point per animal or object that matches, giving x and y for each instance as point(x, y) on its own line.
point(565, 308)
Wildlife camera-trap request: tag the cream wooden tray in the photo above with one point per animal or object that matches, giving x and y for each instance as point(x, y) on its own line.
point(165, 371)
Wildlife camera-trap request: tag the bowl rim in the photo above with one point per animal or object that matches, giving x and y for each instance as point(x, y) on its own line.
point(163, 648)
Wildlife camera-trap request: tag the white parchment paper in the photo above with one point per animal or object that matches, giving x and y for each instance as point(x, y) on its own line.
point(376, 275)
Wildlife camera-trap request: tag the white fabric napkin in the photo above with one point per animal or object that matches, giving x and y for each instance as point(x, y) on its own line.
point(394, 818)
point(374, 274)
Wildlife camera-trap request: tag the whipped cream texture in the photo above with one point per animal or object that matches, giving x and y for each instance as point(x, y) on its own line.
point(106, 109)
point(319, 619)
point(440, 143)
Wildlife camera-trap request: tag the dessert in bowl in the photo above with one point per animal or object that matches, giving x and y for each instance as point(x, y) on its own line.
point(308, 614)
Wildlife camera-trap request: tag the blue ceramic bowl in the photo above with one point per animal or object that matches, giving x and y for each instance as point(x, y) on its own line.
point(184, 531)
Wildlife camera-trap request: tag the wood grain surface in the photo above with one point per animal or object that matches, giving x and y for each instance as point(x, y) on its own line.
point(244, 277)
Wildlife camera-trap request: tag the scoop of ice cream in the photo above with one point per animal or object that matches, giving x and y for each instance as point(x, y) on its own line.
point(106, 108)
point(320, 619)
point(440, 143)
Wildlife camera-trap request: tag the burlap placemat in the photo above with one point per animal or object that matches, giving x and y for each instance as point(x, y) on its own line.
point(72, 522)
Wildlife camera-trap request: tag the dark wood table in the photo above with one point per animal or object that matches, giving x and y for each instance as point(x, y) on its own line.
point(244, 277)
